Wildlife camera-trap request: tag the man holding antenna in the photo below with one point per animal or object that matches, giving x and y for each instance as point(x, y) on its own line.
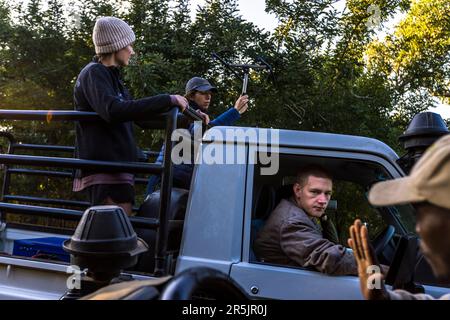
point(199, 93)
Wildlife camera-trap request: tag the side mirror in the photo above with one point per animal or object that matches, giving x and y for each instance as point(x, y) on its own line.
point(401, 271)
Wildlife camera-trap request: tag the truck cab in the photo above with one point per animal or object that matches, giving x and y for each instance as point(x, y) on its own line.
point(240, 176)
point(223, 215)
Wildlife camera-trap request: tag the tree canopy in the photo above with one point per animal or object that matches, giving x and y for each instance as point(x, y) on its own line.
point(329, 68)
point(333, 71)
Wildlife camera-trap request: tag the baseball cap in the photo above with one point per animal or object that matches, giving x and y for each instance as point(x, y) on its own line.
point(199, 84)
point(429, 180)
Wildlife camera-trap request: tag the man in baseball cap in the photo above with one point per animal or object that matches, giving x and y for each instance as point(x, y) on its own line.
point(199, 84)
point(428, 189)
point(198, 92)
point(99, 88)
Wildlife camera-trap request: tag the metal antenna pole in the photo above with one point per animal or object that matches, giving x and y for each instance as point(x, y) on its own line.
point(245, 82)
point(245, 68)
point(226, 65)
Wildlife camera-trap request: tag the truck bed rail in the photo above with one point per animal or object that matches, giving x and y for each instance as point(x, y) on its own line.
point(167, 121)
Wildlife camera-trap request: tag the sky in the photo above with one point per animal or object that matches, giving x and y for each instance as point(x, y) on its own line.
point(254, 11)
point(251, 10)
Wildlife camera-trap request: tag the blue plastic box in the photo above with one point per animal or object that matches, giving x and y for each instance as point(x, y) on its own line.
point(43, 248)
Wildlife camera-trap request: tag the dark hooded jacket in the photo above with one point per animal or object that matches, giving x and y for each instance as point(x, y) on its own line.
point(99, 89)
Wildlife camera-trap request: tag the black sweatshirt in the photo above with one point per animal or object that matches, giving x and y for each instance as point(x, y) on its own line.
point(100, 89)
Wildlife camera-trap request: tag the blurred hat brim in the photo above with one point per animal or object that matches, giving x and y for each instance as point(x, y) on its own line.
point(206, 87)
point(393, 192)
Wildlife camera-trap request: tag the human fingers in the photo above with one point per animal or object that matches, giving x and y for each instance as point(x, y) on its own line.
point(206, 119)
point(367, 249)
point(184, 103)
point(359, 244)
point(354, 240)
point(204, 116)
point(350, 243)
point(181, 102)
point(243, 100)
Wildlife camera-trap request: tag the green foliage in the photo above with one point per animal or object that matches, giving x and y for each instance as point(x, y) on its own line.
point(354, 205)
point(330, 74)
point(328, 70)
point(415, 57)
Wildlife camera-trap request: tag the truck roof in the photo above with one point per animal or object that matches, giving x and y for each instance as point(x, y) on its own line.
point(297, 138)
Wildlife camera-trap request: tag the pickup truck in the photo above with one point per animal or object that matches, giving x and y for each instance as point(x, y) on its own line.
point(209, 229)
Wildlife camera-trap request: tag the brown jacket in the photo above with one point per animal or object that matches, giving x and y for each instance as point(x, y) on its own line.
point(291, 237)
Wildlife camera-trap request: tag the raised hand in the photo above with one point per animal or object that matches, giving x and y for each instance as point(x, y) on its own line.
point(181, 102)
point(241, 104)
point(204, 116)
point(369, 272)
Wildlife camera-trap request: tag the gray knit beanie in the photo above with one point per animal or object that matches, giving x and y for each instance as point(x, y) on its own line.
point(111, 34)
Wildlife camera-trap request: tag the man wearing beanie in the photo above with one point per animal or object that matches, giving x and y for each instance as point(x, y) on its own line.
point(428, 189)
point(99, 88)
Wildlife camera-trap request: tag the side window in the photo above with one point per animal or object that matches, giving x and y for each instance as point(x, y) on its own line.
point(404, 214)
point(352, 203)
point(351, 181)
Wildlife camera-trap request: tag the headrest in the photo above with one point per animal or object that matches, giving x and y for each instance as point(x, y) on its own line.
point(284, 192)
point(177, 208)
point(264, 201)
point(332, 205)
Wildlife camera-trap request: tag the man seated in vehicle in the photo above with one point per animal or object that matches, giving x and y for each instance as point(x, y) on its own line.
point(292, 234)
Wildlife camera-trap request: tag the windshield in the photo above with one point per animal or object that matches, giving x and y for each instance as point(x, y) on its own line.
point(406, 214)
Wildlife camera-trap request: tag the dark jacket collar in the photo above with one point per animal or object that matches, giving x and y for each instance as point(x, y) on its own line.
point(193, 105)
point(113, 69)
